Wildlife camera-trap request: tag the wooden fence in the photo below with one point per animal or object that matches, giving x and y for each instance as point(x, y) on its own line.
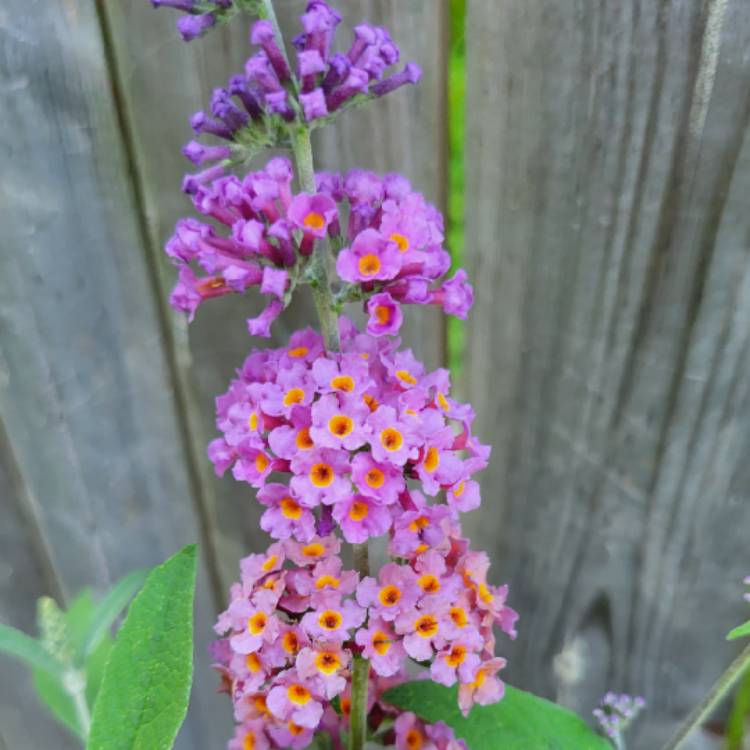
point(607, 234)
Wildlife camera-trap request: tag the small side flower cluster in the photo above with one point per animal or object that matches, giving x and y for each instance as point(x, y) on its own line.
point(200, 15)
point(389, 241)
point(248, 110)
point(351, 429)
point(287, 649)
point(413, 734)
point(616, 712)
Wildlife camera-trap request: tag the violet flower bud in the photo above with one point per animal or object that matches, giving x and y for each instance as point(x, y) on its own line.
point(201, 123)
point(314, 104)
point(199, 154)
point(262, 33)
point(410, 74)
point(238, 87)
point(192, 27)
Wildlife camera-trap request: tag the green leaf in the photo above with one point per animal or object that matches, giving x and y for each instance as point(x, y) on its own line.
point(146, 686)
point(743, 631)
point(520, 721)
point(108, 610)
point(27, 649)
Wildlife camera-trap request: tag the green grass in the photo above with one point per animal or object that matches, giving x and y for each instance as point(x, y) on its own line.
point(455, 217)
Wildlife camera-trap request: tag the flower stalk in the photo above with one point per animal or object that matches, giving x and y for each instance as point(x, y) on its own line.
point(324, 304)
point(707, 706)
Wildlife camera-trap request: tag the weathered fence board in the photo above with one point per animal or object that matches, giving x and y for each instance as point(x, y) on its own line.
point(607, 234)
point(85, 391)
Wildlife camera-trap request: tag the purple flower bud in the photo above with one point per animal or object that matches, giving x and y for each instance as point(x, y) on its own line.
point(238, 87)
point(385, 316)
point(364, 36)
point(278, 103)
point(257, 68)
point(261, 326)
point(198, 153)
point(192, 27)
point(356, 83)
point(201, 123)
point(314, 104)
point(262, 33)
point(227, 111)
point(410, 74)
point(337, 72)
point(192, 182)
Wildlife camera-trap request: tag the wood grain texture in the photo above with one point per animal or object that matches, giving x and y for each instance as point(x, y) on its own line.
point(607, 235)
point(85, 388)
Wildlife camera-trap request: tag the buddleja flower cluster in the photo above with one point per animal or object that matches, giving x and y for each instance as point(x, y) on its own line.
point(389, 241)
point(361, 440)
point(355, 444)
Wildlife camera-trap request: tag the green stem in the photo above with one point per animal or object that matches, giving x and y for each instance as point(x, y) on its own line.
point(358, 715)
point(704, 709)
point(74, 682)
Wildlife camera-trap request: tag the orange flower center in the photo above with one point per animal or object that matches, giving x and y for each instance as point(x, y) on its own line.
point(298, 351)
point(290, 508)
point(259, 701)
point(253, 663)
point(426, 626)
point(261, 462)
point(459, 617)
point(294, 396)
point(294, 729)
point(321, 475)
point(343, 383)
point(290, 642)
point(359, 510)
point(252, 421)
point(327, 662)
point(443, 402)
point(389, 595)
point(303, 440)
point(270, 562)
point(431, 460)
point(330, 620)
point(456, 656)
point(429, 584)
point(314, 549)
point(340, 425)
point(371, 401)
point(401, 241)
point(406, 377)
point(418, 524)
point(314, 221)
point(369, 265)
point(414, 739)
point(375, 478)
point(391, 439)
point(327, 582)
point(459, 490)
point(381, 642)
point(298, 694)
point(257, 623)
point(249, 742)
point(383, 314)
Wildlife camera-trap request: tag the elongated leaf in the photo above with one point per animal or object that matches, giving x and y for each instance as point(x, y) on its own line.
point(520, 721)
point(27, 649)
point(146, 686)
point(743, 631)
point(108, 610)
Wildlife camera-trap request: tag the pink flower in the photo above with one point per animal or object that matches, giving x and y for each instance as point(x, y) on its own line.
point(385, 316)
point(361, 517)
point(313, 213)
point(258, 626)
point(425, 629)
point(294, 698)
point(339, 422)
point(392, 441)
point(381, 646)
point(395, 591)
point(324, 664)
point(285, 517)
point(314, 551)
point(371, 257)
point(485, 689)
point(322, 476)
point(410, 733)
point(377, 480)
point(457, 662)
point(349, 375)
point(251, 734)
point(333, 618)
